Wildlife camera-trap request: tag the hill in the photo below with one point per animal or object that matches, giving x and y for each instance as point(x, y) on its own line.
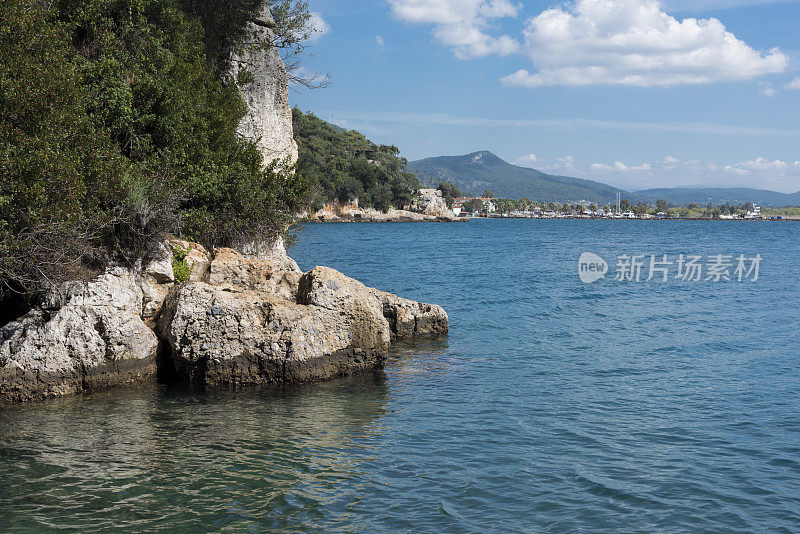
point(718, 195)
point(473, 173)
point(345, 165)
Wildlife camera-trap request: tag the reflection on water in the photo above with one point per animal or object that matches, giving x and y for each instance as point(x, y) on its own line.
point(143, 459)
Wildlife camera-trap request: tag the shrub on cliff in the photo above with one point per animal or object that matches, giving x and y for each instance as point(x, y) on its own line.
point(115, 130)
point(60, 172)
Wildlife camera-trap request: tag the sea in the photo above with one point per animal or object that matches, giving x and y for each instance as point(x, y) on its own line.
point(653, 386)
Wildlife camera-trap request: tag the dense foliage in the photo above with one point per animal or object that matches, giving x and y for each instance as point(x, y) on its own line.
point(345, 165)
point(450, 192)
point(115, 130)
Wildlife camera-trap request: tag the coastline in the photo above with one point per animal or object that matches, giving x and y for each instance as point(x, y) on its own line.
point(388, 220)
point(648, 219)
point(232, 320)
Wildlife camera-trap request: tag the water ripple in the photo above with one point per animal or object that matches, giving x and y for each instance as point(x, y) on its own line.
point(552, 406)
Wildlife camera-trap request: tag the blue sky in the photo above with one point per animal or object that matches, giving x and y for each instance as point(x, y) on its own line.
point(634, 93)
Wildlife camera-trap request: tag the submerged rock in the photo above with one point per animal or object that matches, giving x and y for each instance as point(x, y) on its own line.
point(237, 321)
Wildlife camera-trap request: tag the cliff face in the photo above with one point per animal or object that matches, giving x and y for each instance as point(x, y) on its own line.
point(269, 117)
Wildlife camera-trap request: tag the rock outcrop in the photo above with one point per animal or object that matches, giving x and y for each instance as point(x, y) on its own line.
point(430, 202)
point(236, 321)
point(351, 212)
point(83, 337)
point(428, 206)
point(256, 323)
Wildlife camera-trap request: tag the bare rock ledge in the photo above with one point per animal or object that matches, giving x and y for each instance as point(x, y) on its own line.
point(236, 321)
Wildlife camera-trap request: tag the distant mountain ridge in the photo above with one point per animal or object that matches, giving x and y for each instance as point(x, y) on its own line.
point(719, 195)
point(475, 172)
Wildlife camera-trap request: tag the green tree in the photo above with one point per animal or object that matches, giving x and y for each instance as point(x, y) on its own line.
point(449, 192)
point(225, 22)
point(487, 194)
point(474, 205)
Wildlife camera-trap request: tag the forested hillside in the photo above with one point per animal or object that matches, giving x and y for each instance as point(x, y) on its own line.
point(476, 172)
point(345, 165)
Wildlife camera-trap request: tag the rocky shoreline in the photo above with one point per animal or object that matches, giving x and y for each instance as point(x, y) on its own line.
point(428, 206)
point(235, 321)
point(220, 317)
point(375, 216)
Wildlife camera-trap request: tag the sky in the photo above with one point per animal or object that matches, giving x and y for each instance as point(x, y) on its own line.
point(634, 93)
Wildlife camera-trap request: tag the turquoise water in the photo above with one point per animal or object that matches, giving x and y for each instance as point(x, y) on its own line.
point(552, 405)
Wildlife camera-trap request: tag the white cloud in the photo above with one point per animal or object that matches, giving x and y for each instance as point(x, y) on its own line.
point(380, 40)
point(794, 85)
point(669, 171)
point(318, 26)
point(758, 164)
point(634, 42)
point(527, 160)
point(759, 173)
point(767, 89)
point(564, 164)
point(463, 25)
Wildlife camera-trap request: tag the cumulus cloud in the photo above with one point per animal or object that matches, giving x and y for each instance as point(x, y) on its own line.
point(634, 42)
point(563, 164)
point(318, 26)
point(794, 85)
point(669, 171)
point(463, 25)
point(759, 173)
point(758, 164)
point(526, 160)
point(767, 89)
